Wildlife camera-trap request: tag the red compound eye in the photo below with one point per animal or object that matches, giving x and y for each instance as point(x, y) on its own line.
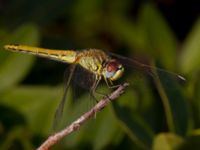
point(112, 66)
point(113, 70)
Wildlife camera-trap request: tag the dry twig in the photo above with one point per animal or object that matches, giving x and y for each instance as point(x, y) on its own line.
point(53, 139)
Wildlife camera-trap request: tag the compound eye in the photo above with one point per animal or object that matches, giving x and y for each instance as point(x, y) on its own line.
point(114, 70)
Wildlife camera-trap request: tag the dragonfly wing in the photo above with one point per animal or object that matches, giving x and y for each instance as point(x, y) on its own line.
point(60, 108)
point(85, 82)
point(83, 78)
point(143, 68)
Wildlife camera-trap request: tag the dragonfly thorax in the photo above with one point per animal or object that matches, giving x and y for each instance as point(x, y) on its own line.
point(113, 70)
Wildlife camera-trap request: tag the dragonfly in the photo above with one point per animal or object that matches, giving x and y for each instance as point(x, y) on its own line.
point(103, 66)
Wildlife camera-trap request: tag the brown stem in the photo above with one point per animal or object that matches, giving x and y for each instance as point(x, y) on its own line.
point(53, 139)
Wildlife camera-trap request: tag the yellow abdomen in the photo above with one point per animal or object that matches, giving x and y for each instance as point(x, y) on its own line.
point(68, 56)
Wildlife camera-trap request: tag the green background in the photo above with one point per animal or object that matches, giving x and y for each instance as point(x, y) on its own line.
point(155, 113)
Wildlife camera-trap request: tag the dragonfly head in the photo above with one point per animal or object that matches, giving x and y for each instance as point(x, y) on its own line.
point(113, 70)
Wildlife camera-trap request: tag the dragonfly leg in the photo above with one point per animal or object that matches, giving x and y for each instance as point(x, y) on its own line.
point(94, 87)
point(110, 85)
point(93, 97)
point(99, 93)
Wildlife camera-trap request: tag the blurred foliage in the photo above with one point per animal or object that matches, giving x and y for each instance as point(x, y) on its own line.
point(160, 113)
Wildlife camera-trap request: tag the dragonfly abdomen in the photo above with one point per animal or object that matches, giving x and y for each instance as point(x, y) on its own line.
point(68, 56)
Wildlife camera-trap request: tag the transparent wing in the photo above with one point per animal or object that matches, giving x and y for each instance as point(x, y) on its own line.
point(83, 81)
point(143, 68)
point(83, 78)
point(60, 108)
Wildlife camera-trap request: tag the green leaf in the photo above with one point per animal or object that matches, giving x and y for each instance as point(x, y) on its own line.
point(36, 103)
point(174, 103)
point(194, 94)
point(20, 135)
point(107, 131)
point(135, 127)
point(167, 141)
point(16, 66)
point(130, 108)
point(189, 60)
point(14, 69)
point(128, 32)
point(25, 34)
point(191, 142)
point(161, 41)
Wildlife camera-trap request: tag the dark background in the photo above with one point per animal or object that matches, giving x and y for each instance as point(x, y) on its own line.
point(155, 113)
